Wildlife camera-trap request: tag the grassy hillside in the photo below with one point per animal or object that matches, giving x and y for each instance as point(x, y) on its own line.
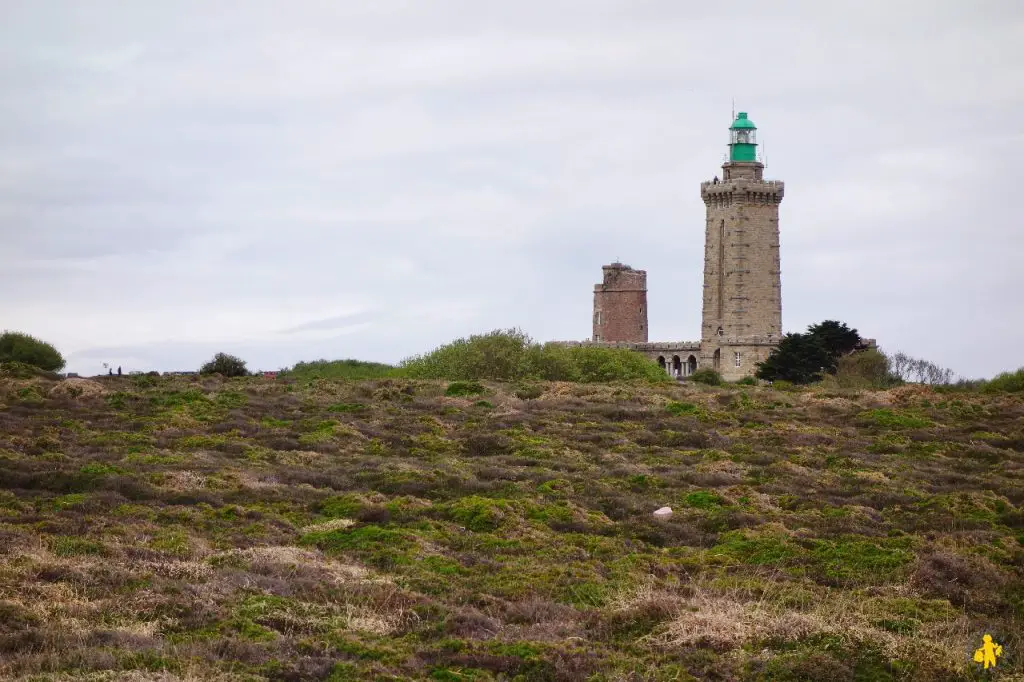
point(284, 530)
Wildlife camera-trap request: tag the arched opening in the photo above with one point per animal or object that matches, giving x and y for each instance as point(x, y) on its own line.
point(691, 365)
point(716, 359)
point(661, 361)
point(677, 366)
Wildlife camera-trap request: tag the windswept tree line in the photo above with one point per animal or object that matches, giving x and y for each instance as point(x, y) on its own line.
point(833, 352)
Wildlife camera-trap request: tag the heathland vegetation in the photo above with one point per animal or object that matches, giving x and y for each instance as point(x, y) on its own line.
point(313, 526)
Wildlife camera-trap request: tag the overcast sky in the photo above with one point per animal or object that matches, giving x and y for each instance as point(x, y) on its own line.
point(299, 179)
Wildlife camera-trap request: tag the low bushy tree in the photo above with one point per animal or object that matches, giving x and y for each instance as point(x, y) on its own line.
point(226, 365)
point(799, 358)
point(806, 358)
point(836, 338)
point(18, 347)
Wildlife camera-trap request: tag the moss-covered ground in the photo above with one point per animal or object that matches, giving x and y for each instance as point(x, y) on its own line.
point(250, 529)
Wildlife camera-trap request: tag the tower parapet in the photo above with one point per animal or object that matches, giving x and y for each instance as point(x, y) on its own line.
point(754, 191)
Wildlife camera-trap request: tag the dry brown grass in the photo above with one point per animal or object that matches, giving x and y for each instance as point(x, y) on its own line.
point(77, 388)
point(733, 618)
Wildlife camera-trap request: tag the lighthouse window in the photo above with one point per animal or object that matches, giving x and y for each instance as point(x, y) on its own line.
point(738, 358)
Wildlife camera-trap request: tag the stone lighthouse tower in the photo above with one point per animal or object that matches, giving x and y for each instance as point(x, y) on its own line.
point(742, 311)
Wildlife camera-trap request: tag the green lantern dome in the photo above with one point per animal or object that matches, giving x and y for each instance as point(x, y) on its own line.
point(742, 139)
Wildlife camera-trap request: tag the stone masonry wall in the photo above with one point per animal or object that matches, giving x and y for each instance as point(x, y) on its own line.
point(742, 274)
point(726, 361)
point(620, 305)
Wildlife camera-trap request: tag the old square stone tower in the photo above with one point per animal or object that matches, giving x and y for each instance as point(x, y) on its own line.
point(742, 296)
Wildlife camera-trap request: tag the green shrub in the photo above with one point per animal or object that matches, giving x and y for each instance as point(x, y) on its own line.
point(478, 514)
point(18, 347)
point(757, 550)
point(703, 499)
point(21, 370)
point(747, 381)
point(707, 376)
point(226, 365)
point(853, 560)
point(677, 409)
point(65, 546)
point(341, 369)
point(895, 420)
point(1010, 382)
point(496, 355)
point(341, 506)
point(463, 388)
point(551, 362)
point(865, 369)
point(783, 385)
point(597, 364)
point(510, 355)
point(347, 407)
point(529, 392)
point(360, 538)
